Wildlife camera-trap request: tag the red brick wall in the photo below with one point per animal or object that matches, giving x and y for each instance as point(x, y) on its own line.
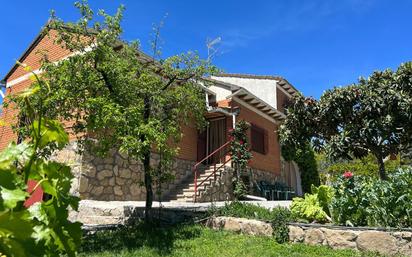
point(271, 160)
point(33, 59)
point(46, 46)
point(188, 143)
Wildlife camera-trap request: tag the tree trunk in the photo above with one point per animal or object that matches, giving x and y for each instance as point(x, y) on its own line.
point(382, 172)
point(148, 185)
point(146, 165)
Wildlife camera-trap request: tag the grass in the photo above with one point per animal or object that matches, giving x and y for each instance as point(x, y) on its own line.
point(194, 240)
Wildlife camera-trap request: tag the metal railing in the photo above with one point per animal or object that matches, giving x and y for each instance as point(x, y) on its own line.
point(215, 169)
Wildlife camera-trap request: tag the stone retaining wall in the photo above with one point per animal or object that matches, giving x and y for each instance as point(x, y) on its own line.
point(93, 212)
point(241, 225)
point(384, 242)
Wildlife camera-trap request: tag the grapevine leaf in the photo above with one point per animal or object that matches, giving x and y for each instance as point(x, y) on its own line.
point(51, 131)
point(12, 197)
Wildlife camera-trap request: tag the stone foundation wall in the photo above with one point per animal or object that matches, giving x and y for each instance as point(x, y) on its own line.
point(383, 242)
point(221, 189)
point(262, 175)
point(116, 176)
point(70, 157)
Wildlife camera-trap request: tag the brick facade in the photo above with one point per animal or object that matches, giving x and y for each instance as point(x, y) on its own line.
point(270, 161)
point(42, 46)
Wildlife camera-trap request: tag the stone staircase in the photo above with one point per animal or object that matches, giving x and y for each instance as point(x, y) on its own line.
point(185, 191)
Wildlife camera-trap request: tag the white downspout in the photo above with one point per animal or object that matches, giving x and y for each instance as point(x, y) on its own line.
point(235, 112)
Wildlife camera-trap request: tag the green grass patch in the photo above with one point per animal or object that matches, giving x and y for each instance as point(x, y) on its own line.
point(194, 240)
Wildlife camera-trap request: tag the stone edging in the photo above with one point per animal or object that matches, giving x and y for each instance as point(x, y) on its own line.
point(336, 237)
point(315, 225)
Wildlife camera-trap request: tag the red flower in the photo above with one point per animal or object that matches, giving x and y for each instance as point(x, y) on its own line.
point(241, 142)
point(347, 174)
point(230, 130)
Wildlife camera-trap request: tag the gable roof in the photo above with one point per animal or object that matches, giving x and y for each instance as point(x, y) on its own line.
point(282, 82)
point(43, 32)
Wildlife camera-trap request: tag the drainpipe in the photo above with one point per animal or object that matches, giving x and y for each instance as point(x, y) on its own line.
point(3, 84)
point(235, 112)
point(207, 101)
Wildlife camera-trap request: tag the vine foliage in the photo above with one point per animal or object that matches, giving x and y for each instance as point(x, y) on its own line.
point(43, 229)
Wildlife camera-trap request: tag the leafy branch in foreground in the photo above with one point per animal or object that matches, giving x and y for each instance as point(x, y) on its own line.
point(43, 229)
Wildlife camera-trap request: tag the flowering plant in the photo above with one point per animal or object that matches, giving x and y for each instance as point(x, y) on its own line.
point(348, 174)
point(239, 147)
point(241, 155)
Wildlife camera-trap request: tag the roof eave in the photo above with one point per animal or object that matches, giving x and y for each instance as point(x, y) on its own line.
point(258, 104)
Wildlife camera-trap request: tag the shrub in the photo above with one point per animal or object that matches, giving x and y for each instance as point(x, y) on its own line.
point(313, 207)
point(366, 166)
point(278, 216)
point(364, 201)
point(244, 210)
point(306, 161)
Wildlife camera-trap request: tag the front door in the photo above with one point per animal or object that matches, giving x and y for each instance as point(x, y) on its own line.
point(216, 137)
point(210, 139)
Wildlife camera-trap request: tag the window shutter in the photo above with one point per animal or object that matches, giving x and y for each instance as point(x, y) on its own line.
point(265, 141)
point(258, 139)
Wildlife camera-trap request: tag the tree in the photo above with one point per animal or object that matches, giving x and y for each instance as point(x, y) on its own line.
point(373, 116)
point(42, 229)
point(119, 98)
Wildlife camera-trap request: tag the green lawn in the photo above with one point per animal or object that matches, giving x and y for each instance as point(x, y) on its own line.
point(194, 241)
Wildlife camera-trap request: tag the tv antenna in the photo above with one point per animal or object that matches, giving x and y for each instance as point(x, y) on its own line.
point(211, 50)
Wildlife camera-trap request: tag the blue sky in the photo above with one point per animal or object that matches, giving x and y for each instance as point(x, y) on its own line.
point(314, 44)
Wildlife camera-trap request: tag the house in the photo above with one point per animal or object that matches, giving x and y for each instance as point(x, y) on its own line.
point(202, 168)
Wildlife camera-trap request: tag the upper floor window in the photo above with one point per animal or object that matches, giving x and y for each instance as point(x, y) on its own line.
point(258, 139)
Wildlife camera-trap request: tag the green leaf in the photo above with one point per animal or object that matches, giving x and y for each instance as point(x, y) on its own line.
point(51, 131)
point(12, 197)
point(13, 153)
point(8, 179)
point(29, 91)
point(16, 223)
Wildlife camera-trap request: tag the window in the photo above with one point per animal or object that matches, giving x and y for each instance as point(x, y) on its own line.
point(258, 139)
